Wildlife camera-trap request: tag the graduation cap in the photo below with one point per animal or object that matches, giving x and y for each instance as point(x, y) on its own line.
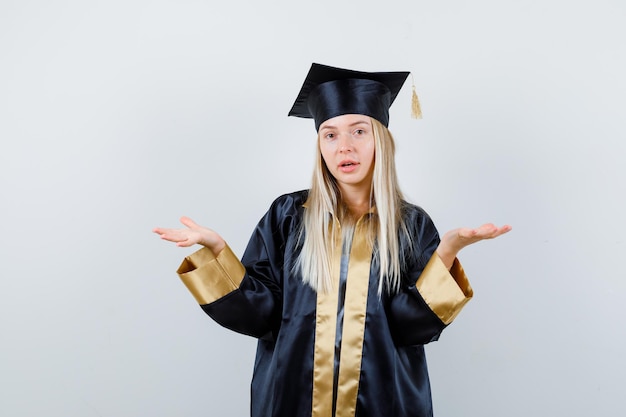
point(328, 92)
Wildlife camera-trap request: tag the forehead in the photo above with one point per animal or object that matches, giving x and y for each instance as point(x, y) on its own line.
point(346, 120)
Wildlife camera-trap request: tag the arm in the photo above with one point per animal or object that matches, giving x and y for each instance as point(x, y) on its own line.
point(431, 295)
point(435, 287)
point(243, 296)
point(239, 299)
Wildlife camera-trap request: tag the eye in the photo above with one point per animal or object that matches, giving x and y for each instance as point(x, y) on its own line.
point(359, 132)
point(329, 136)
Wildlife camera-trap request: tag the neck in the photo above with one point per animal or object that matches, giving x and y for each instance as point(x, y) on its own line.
point(356, 201)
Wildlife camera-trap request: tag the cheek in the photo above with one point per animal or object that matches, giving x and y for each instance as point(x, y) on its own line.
point(371, 154)
point(324, 152)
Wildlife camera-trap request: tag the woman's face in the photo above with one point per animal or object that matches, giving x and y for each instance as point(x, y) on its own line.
point(347, 146)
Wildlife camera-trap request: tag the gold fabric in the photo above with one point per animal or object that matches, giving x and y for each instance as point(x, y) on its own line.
point(357, 285)
point(445, 292)
point(325, 328)
point(208, 277)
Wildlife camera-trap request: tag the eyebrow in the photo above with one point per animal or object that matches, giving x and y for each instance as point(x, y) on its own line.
point(358, 122)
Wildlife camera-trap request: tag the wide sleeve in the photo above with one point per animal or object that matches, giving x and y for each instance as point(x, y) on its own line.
point(431, 296)
point(244, 296)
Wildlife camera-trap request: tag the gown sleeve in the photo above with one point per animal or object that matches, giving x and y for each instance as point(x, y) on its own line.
point(431, 295)
point(244, 296)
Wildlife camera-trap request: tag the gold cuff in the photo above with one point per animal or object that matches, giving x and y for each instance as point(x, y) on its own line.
point(445, 292)
point(210, 278)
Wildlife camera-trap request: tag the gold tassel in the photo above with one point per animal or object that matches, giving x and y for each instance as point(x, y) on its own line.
point(416, 109)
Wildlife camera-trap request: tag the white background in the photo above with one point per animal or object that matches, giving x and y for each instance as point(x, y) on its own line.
point(119, 116)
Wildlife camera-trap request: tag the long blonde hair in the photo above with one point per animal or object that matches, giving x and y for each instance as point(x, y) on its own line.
point(324, 206)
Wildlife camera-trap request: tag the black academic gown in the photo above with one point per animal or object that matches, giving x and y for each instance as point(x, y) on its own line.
point(382, 368)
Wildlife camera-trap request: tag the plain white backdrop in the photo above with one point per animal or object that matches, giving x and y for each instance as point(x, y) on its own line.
point(119, 116)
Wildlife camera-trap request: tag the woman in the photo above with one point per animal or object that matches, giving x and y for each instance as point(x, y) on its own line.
point(342, 284)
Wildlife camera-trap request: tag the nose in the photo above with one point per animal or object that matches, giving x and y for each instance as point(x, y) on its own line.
point(345, 143)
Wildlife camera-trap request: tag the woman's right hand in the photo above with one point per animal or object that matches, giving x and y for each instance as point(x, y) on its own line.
point(191, 235)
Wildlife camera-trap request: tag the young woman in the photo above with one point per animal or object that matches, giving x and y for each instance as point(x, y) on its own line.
point(344, 283)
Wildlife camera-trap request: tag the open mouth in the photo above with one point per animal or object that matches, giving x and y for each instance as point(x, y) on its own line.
point(347, 164)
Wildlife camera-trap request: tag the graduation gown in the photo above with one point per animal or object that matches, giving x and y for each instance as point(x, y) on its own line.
point(370, 362)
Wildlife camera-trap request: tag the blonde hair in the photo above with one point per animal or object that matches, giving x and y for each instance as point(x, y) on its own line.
point(324, 207)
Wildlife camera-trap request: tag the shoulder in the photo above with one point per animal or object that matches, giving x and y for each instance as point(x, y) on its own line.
point(417, 220)
point(283, 217)
point(286, 209)
point(412, 212)
point(290, 202)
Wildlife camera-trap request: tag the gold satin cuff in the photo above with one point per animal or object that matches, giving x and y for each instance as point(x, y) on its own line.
point(208, 277)
point(445, 292)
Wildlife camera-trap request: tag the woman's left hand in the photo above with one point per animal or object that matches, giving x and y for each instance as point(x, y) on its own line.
point(453, 241)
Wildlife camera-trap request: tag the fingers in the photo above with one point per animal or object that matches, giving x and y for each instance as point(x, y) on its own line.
point(504, 229)
point(486, 231)
point(455, 240)
point(185, 243)
point(180, 237)
point(467, 233)
point(184, 237)
point(164, 233)
point(491, 231)
point(184, 220)
point(174, 236)
point(188, 222)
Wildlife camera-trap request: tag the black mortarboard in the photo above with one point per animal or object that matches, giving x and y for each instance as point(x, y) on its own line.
point(328, 92)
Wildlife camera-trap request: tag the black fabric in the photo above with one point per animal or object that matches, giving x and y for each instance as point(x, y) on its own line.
point(274, 305)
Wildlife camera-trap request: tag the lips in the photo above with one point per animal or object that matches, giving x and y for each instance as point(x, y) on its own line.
point(348, 165)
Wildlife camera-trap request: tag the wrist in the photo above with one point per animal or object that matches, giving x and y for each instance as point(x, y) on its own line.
point(447, 256)
point(214, 244)
point(217, 248)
